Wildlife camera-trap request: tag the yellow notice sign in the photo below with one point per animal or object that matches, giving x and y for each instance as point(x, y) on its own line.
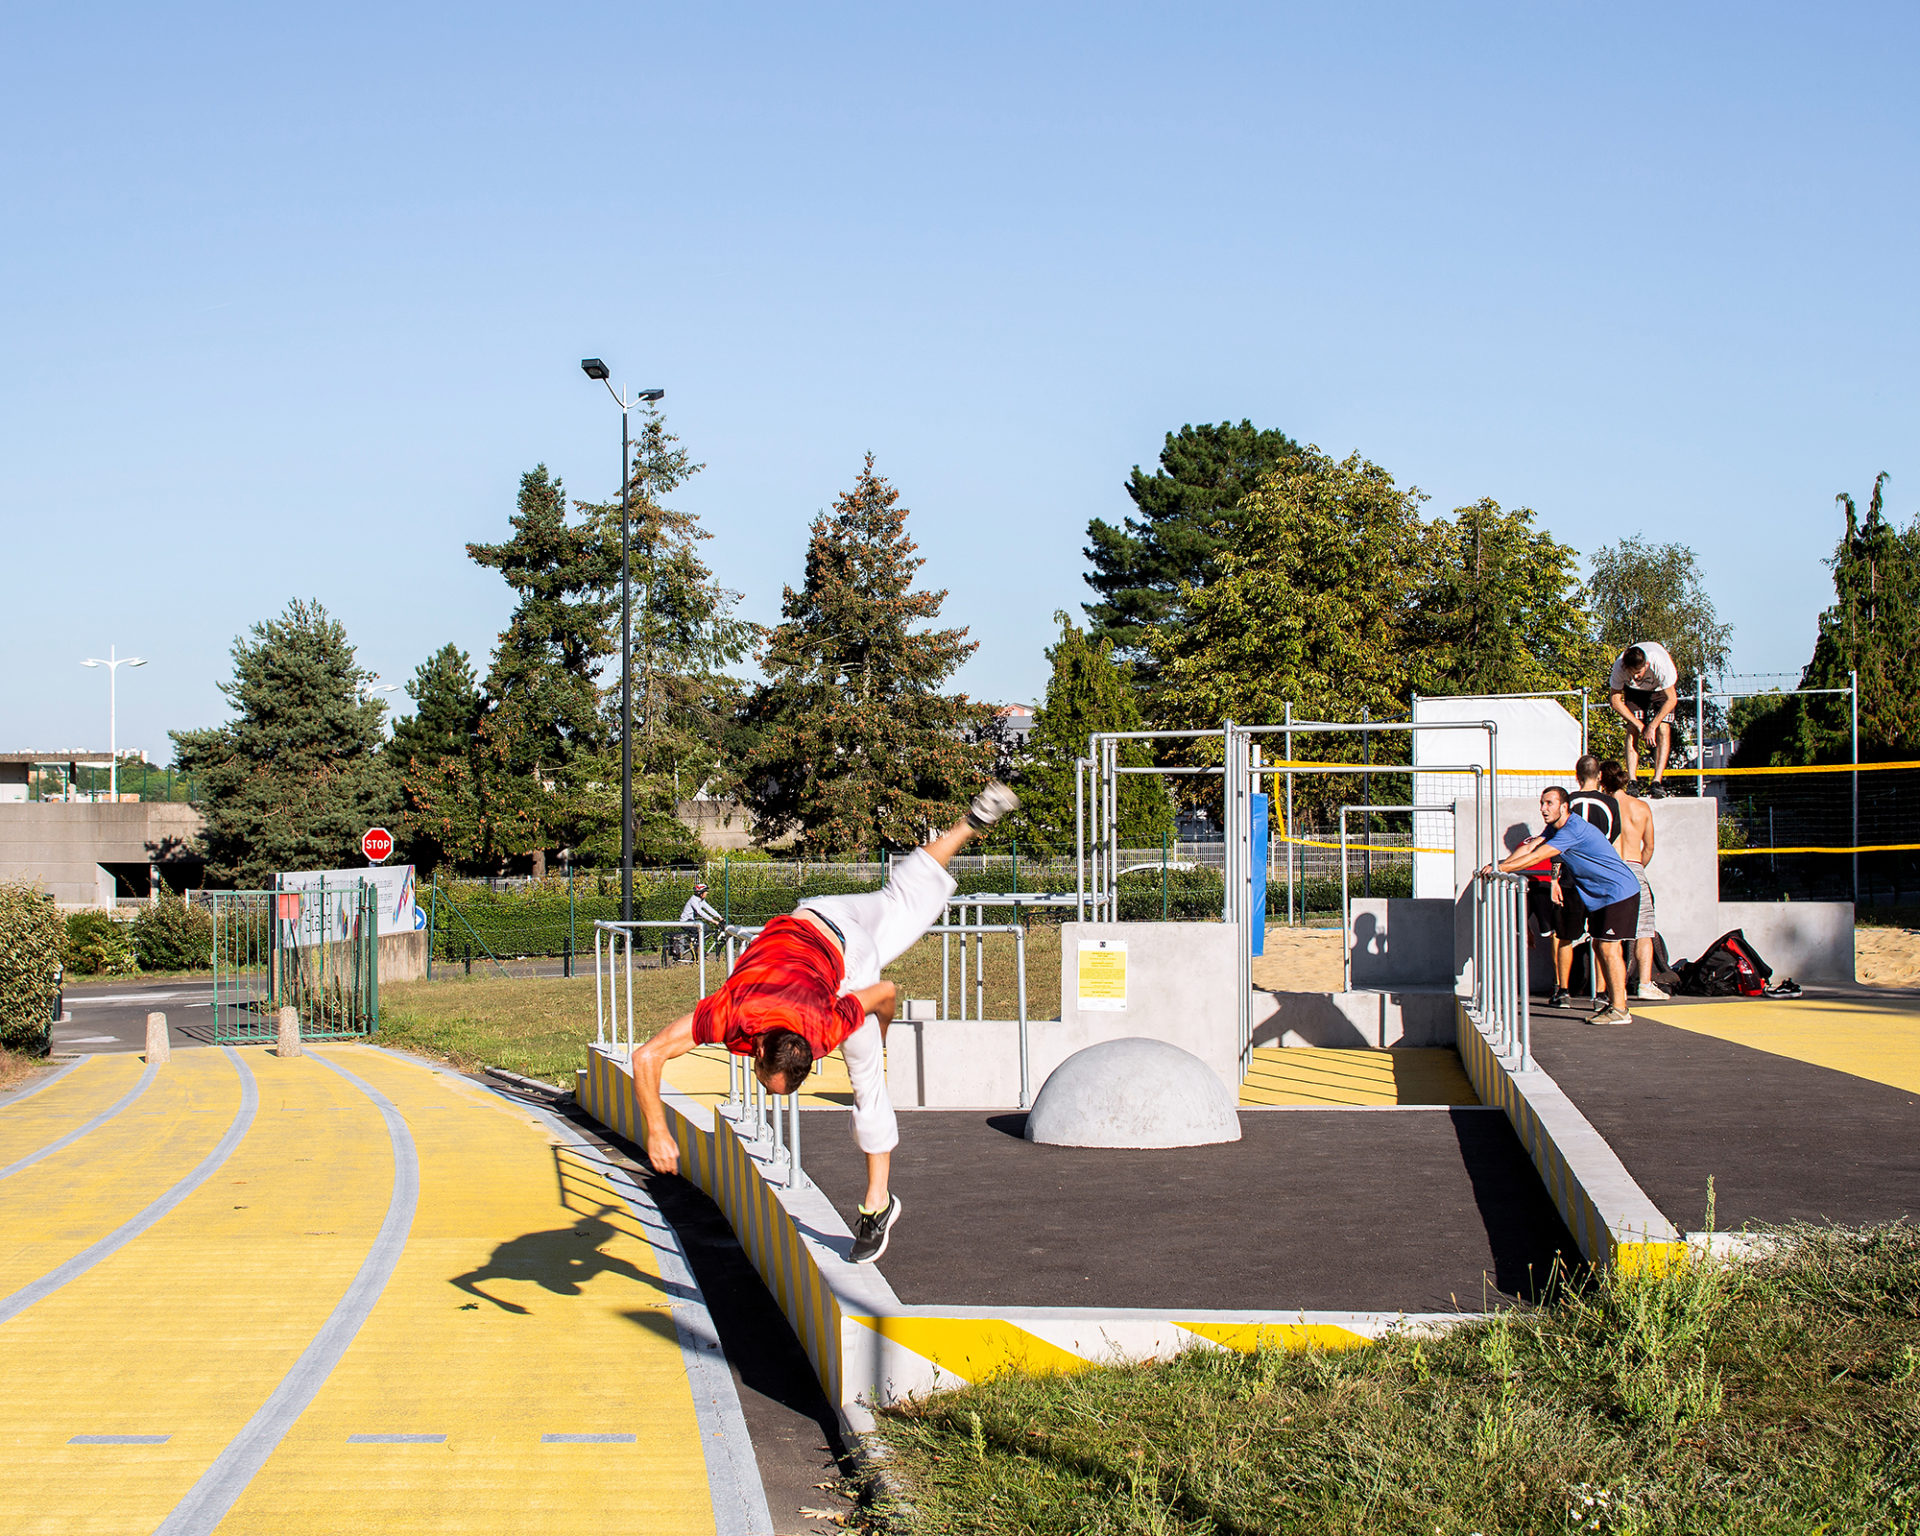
point(1103, 975)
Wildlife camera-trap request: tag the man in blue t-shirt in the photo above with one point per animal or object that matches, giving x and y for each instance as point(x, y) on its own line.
point(1606, 887)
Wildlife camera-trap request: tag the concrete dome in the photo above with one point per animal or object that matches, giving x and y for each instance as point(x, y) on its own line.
point(1133, 1093)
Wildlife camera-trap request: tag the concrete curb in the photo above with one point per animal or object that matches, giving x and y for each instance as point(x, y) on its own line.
point(1609, 1215)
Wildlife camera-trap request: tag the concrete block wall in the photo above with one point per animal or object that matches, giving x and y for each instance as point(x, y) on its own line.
point(62, 845)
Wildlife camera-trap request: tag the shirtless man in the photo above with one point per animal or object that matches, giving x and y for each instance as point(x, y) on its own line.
point(810, 983)
point(1635, 845)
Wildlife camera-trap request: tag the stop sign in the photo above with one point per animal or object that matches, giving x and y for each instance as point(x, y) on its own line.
point(377, 844)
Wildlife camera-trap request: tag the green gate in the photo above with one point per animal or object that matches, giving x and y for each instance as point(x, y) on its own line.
point(314, 948)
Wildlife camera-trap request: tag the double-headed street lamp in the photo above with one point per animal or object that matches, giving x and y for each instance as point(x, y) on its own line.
point(113, 664)
point(595, 369)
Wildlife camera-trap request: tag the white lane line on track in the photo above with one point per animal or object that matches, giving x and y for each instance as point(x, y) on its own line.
point(207, 1503)
point(146, 1080)
point(12, 1306)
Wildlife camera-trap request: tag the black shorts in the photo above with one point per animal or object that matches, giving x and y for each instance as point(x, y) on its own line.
point(1644, 702)
point(1563, 919)
point(1617, 921)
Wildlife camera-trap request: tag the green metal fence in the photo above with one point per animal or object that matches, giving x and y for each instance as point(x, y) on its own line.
point(314, 949)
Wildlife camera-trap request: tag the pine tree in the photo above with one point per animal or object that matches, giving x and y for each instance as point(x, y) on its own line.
point(1087, 692)
point(686, 633)
point(858, 747)
point(1873, 630)
point(1186, 516)
point(441, 732)
point(447, 706)
point(298, 776)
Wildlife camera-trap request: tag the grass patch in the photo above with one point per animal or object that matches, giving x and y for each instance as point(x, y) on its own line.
point(16, 1067)
point(540, 1026)
point(1776, 1393)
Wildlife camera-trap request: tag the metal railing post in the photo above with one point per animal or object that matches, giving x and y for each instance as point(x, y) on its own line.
point(1020, 964)
point(1346, 911)
point(1079, 843)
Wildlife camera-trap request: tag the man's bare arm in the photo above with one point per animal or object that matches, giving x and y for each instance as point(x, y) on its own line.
point(1669, 702)
point(649, 1062)
point(1617, 702)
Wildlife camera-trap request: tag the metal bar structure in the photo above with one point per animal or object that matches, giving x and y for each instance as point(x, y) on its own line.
point(1289, 824)
point(611, 939)
point(978, 930)
point(1499, 997)
point(314, 948)
point(1346, 898)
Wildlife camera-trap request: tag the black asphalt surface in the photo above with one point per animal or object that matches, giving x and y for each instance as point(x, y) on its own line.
point(111, 1015)
point(1426, 1210)
point(1782, 1140)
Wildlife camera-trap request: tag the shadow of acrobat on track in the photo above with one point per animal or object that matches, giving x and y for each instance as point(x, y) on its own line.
point(560, 1260)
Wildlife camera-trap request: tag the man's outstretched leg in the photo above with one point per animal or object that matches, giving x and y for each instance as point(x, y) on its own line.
point(875, 929)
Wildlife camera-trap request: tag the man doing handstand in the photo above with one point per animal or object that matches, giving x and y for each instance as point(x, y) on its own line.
point(810, 983)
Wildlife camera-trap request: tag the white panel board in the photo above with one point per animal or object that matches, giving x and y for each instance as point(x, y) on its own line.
point(1538, 742)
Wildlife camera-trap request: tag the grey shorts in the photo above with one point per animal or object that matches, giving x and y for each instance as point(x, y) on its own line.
point(1644, 926)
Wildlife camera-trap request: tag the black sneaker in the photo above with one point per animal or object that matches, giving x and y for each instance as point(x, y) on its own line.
point(1561, 998)
point(870, 1232)
point(1657, 790)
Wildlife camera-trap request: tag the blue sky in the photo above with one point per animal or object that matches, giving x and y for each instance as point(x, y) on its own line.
point(292, 297)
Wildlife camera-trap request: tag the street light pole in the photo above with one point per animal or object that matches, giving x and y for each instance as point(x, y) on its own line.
point(113, 664)
point(595, 369)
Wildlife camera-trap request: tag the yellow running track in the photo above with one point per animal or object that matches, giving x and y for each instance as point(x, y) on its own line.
point(1305, 1076)
point(524, 1302)
point(1874, 1038)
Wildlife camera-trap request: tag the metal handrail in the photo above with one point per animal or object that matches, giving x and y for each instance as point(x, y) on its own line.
point(1499, 999)
point(947, 929)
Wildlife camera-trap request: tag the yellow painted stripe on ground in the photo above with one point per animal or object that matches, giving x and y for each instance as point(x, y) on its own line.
point(701, 1075)
point(1252, 1336)
point(528, 1302)
point(187, 1330)
point(1329, 1078)
point(974, 1348)
point(1878, 1039)
point(79, 1194)
point(91, 1088)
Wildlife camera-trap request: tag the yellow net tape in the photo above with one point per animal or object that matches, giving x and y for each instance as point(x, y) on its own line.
point(1567, 770)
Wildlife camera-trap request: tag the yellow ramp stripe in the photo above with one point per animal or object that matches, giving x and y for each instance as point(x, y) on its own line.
point(527, 1303)
point(1252, 1336)
point(78, 1195)
point(974, 1348)
point(1878, 1039)
point(701, 1074)
point(187, 1330)
point(1330, 1078)
point(94, 1086)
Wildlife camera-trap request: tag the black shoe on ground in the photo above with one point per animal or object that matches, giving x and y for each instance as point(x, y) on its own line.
point(1657, 790)
point(1561, 998)
point(870, 1232)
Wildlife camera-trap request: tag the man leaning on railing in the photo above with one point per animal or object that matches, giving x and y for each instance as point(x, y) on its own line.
point(1606, 887)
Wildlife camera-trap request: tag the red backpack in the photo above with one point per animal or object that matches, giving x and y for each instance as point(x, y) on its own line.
point(1730, 967)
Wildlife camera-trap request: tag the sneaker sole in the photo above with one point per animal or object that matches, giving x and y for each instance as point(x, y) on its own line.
point(899, 1209)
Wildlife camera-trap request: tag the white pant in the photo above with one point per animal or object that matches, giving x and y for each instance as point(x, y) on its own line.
point(877, 928)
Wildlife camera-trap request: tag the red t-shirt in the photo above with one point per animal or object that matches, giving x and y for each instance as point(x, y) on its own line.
point(789, 978)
